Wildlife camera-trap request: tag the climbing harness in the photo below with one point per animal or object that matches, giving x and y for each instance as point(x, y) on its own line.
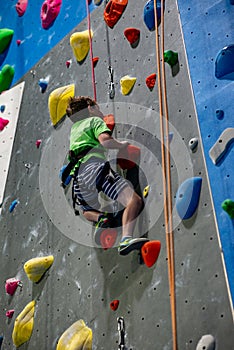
point(166, 168)
point(121, 330)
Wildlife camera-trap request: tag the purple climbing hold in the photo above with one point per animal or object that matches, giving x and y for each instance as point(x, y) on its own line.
point(187, 197)
point(224, 64)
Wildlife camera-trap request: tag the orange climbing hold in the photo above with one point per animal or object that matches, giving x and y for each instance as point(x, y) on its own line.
point(150, 81)
point(128, 157)
point(109, 119)
point(132, 35)
point(95, 61)
point(113, 11)
point(108, 238)
point(114, 304)
point(150, 252)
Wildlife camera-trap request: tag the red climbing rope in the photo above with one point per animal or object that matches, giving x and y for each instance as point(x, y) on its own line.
point(166, 174)
point(91, 51)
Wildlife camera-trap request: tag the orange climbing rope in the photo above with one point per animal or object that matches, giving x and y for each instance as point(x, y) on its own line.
point(166, 174)
point(91, 51)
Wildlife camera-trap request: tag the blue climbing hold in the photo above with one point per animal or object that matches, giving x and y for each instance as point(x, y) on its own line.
point(13, 205)
point(187, 197)
point(219, 114)
point(224, 64)
point(149, 14)
point(43, 83)
point(2, 108)
point(1, 340)
point(68, 179)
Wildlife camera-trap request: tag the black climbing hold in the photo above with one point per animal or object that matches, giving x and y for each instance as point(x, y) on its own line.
point(193, 143)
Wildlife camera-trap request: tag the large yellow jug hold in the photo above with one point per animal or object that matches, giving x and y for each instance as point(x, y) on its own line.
point(23, 325)
point(77, 337)
point(36, 267)
point(58, 101)
point(79, 42)
point(127, 84)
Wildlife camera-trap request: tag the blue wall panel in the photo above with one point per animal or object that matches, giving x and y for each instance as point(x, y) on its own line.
point(208, 28)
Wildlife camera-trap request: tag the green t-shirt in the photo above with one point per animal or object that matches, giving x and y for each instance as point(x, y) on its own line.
point(84, 134)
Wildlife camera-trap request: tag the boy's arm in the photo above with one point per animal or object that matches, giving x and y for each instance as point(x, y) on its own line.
point(107, 141)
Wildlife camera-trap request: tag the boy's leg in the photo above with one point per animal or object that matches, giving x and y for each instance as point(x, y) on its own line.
point(133, 205)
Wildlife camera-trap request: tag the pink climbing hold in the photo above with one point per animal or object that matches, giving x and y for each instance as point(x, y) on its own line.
point(18, 42)
point(21, 7)
point(49, 12)
point(68, 63)
point(38, 143)
point(11, 285)
point(3, 123)
point(10, 313)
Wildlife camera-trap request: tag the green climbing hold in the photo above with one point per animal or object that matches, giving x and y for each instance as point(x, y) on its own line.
point(5, 38)
point(171, 57)
point(6, 77)
point(228, 206)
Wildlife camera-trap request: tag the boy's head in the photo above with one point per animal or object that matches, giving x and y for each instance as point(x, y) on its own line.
point(85, 104)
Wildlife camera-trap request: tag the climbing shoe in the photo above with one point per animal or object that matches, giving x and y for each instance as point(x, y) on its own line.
point(127, 244)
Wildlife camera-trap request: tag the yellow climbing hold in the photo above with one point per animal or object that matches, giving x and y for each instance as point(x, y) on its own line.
point(23, 326)
point(79, 42)
point(77, 337)
point(127, 84)
point(146, 191)
point(58, 101)
point(36, 267)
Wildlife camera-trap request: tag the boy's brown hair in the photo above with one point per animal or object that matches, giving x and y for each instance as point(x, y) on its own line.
point(79, 103)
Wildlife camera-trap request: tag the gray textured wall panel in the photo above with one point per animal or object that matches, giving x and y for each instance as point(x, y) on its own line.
point(83, 280)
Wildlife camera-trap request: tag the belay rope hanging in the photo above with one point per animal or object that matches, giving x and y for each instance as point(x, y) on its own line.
point(166, 174)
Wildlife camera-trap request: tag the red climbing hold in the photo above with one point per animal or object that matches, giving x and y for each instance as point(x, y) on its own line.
point(113, 11)
point(150, 252)
point(109, 119)
point(150, 81)
point(114, 305)
point(95, 61)
point(11, 285)
point(18, 42)
point(132, 35)
point(3, 123)
point(108, 238)
point(128, 157)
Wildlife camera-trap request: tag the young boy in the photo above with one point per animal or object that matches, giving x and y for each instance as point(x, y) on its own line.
point(89, 139)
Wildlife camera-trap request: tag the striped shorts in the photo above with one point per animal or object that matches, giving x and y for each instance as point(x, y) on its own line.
point(90, 177)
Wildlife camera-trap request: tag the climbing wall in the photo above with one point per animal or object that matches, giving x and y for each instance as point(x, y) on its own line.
point(84, 279)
